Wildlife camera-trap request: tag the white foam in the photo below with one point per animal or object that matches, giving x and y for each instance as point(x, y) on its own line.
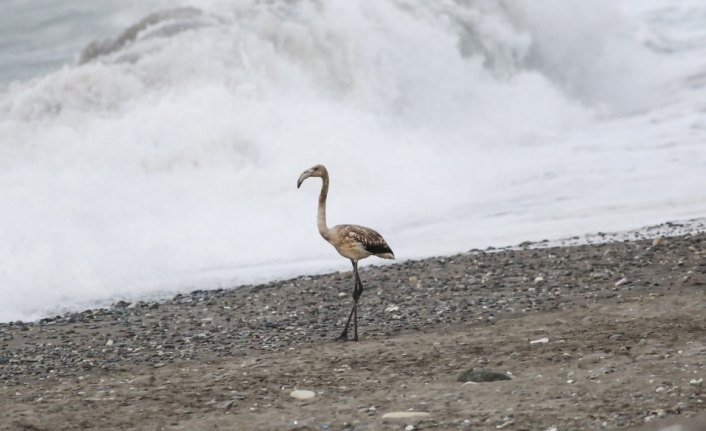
point(171, 163)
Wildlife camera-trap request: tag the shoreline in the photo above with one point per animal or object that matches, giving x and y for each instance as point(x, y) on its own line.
point(614, 313)
point(665, 229)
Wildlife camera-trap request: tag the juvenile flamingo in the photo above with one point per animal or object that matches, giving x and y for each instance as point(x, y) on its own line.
point(351, 241)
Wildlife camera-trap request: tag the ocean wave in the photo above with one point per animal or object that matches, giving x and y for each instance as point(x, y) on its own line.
point(173, 147)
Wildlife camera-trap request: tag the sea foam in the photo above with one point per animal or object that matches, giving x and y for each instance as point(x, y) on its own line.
point(165, 157)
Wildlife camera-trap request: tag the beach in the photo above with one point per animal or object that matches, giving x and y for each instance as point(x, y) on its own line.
point(600, 335)
point(536, 167)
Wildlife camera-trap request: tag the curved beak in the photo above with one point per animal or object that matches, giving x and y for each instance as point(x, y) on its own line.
point(306, 174)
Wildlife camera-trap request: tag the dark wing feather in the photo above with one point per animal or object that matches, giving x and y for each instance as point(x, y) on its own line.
point(378, 248)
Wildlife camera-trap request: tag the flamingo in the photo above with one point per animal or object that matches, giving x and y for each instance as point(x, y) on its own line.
point(351, 241)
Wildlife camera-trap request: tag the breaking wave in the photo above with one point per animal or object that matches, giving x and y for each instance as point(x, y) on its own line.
point(165, 157)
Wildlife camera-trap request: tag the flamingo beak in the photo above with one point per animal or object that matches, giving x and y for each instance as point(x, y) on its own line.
point(306, 174)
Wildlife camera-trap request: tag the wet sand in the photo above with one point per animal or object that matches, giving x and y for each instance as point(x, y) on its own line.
point(624, 323)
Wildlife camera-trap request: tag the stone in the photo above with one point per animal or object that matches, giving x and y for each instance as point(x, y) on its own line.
point(147, 380)
point(404, 415)
point(482, 376)
point(302, 394)
point(226, 405)
point(621, 282)
point(505, 424)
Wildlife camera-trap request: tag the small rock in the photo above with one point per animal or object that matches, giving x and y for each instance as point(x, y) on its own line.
point(143, 380)
point(109, 343)
point(695, 382)
point(540, 341)
point(404, 415)
point(505, 424)
point(226, 405)
point(538, 279)
point(302, 394)
point(409, 428)
point(392, 308)
point(482, 376)
point(621, 282)
point(656, 414)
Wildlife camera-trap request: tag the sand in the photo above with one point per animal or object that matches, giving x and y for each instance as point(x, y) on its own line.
point(594, 336)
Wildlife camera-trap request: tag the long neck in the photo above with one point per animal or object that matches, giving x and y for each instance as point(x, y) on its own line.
point(321, 216)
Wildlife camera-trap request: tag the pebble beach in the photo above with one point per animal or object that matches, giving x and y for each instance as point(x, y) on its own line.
point(606, 331)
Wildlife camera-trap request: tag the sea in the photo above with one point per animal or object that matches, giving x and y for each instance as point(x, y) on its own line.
point(153, 147)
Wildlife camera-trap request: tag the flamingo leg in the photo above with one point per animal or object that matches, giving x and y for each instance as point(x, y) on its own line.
point(357, 291)
point(356, 296)
point(344, 334)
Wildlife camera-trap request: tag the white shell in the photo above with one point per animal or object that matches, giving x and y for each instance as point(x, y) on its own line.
point(403, 415)
point(302, 394)
point(621, 282)
point(540, 341)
